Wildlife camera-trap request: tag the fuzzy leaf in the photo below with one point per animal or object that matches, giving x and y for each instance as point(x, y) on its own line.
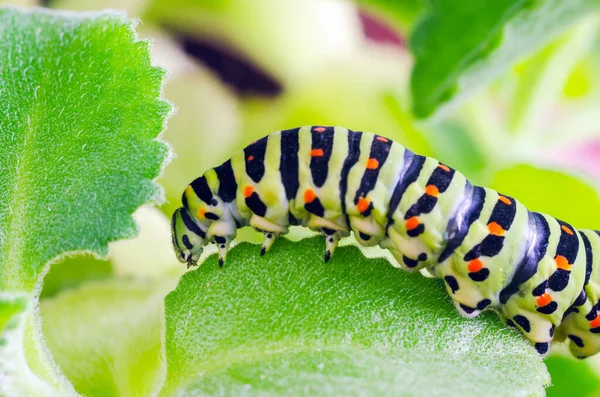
point(288, 324)
point(78, 154)
point(462, 45)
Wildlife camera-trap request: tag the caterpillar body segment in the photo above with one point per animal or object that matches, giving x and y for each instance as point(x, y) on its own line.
point(540, 273)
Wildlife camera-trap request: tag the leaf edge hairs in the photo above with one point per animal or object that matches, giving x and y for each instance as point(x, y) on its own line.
point(540, 273)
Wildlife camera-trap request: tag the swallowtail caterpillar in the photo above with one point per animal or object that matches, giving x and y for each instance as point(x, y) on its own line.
point(541, 274)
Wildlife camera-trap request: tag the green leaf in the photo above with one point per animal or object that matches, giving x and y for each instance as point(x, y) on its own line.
point(79, 153)
point(462, 45)
point(572, 377)
point(563, 196)
point(106, 336)
point(288, 324)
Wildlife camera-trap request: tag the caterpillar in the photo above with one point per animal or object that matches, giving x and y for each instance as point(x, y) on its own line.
point(540, 274)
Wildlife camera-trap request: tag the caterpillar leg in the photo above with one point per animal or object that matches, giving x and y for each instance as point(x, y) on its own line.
point(331, 229)
point(332, 238)
point(221, 233)
point(222, 243)
point(270, 238)
point(223, 248)
point(269, 229)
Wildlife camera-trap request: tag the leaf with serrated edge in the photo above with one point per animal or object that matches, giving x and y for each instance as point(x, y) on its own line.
point(79, 143)
point(288, 324)
point(460, 46)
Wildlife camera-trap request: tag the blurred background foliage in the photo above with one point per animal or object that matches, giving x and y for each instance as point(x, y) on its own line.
point(505, 91)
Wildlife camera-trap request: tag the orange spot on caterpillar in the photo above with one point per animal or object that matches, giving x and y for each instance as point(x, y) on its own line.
point(316, 152)
point(319, 129)
point(544, 299)
point(567, 230)
point(248, 190)
point(504, 199)
point(363, 204)
point(412, 223)
point(372, 164)
point(475, 265)
point(201, 213)
point(562, 262)
point(432, 190)
point(382, 139)
point(250, 158)
point(444, 167)
point(309, 196)
point(595, 323)
point(495, 229)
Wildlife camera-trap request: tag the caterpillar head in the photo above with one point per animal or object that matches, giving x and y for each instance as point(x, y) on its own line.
point(188, 235)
